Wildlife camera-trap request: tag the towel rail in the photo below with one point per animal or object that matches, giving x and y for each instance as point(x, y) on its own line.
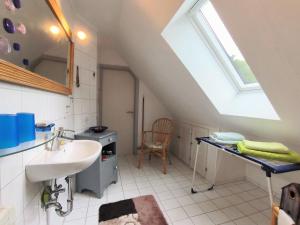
point(267, 166)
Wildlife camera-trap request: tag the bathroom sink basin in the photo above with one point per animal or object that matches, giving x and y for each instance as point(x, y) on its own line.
point(72, 158)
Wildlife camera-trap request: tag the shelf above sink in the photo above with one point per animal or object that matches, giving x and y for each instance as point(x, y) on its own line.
point(41, 139)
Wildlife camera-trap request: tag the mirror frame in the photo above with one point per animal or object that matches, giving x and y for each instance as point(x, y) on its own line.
point(14, 74)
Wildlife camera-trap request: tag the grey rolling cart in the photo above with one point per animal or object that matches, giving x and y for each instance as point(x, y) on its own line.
point(104, 171)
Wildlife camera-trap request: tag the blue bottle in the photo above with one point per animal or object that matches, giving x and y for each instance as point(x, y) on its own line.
point(26, 127)
point(8, 131)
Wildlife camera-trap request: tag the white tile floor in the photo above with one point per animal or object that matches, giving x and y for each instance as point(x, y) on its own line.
point(240, 203)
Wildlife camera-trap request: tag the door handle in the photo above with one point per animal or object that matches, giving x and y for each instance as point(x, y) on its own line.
point(130, 112)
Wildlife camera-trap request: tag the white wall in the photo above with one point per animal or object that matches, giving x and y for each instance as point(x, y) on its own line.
point(108, 52)
point(154, 109)
point(78, 113)
point(110, 56)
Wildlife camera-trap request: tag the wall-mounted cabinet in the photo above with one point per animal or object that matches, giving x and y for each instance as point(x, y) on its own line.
point(184, 145)
point(212, 164)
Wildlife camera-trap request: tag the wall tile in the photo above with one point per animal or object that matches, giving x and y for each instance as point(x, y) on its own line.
point(31, 212)
point(30, 190)
point(12, 195)
point(34, 102)
point(11, 167)
point(86, 106)
point(78, 106)
point(10, 101)
point(93, 106)
point(85, 76)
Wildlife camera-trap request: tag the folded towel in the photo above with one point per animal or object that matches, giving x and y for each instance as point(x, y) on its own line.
point(284, 218)
point(266, 146)
point(228, 136)
point(291, 156)
point(222, 141)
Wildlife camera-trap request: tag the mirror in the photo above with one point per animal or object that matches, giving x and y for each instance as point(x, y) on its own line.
point(36, 48)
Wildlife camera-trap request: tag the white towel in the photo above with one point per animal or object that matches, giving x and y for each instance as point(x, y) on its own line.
point(228, 136)
point(222, 141)
point(284, 218)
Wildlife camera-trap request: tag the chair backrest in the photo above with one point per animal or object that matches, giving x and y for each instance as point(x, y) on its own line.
point(162, 125)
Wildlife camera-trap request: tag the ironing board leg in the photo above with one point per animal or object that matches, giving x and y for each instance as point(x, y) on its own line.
point(193, 190)
point(195, 169)
point(270, 190)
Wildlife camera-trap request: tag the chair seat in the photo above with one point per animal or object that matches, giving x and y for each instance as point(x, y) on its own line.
point(155, 146)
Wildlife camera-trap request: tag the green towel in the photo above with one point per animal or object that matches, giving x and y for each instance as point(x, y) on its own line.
point(291, 156)
point(266, 146)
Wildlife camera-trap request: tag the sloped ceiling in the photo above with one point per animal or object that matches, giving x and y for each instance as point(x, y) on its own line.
point(104, 14)
point(268, 34)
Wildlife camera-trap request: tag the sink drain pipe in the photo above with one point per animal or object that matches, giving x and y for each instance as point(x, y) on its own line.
point(50, 197)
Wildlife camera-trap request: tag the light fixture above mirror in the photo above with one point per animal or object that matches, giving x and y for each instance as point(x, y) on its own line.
point(81, 35)
point(54, 29)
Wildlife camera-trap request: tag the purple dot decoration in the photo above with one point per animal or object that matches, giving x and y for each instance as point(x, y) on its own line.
point(16, 46)
point(17, 3)
point(25, 62)
point(8, 26)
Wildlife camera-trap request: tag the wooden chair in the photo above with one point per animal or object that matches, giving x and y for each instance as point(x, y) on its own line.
point(157, 141)
point(275, 212)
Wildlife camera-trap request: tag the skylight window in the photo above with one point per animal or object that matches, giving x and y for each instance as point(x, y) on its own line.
point(200, 40)
point(225, 47)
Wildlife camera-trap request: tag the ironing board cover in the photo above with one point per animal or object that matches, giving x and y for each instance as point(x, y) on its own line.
point(267, 165)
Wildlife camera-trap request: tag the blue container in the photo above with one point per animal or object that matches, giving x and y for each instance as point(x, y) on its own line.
point(8, 131)
point(26, 128)
point(44, 129)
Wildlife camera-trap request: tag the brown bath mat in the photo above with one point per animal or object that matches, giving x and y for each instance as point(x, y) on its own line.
point(142, 210)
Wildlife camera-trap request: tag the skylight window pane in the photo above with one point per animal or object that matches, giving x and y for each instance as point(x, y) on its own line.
point(227, 42)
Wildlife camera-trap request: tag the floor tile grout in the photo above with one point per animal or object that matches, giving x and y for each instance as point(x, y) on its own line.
point(132, 183)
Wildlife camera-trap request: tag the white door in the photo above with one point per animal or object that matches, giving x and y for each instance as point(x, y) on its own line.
point(185, 143)
point(175, 145)
point(202, 155)
point(118, 107)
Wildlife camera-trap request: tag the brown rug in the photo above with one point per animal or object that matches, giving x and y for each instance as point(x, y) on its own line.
point(142, 210)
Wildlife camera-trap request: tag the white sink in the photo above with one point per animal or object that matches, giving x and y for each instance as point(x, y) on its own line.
point(73, 158)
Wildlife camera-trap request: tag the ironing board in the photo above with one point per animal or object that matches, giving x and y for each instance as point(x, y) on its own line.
point(268, 166)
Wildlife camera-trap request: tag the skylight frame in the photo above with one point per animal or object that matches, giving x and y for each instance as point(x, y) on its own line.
point(205, 30)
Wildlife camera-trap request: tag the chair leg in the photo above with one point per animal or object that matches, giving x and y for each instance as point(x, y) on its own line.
point(150, 155)
point(273, 220)
point(164, 165)
point(164, 158)
point(169, 158)
point(141, 159)
point(275, 212)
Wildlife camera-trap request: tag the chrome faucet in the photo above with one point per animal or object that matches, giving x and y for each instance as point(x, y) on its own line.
point(56, 142)
point(61, 133)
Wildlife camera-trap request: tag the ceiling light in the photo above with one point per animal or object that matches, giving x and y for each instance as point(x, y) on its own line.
point(54, 29)
point(81, 35)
